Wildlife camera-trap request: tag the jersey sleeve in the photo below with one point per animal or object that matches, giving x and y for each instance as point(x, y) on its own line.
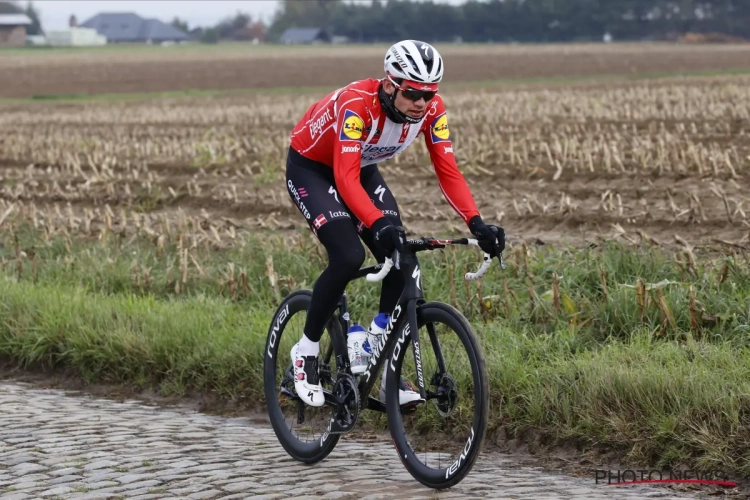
point(452, 182)
point(347, 154)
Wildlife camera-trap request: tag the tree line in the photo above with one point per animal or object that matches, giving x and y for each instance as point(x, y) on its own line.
point(376, 21)
point(515, 20)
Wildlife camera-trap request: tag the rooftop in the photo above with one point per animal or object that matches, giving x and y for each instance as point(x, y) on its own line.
point(127, 26)
point(14, 20)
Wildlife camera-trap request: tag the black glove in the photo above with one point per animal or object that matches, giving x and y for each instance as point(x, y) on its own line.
point(387, 236)
point(491, 238)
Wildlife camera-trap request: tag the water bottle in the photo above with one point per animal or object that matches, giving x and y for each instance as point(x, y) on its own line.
point(375, 333)
point(355, 340)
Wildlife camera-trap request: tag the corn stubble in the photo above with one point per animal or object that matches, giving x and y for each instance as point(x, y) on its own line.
point(642, 320)
point(568, 164)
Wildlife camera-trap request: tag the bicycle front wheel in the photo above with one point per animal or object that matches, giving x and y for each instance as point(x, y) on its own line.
point(440, 442)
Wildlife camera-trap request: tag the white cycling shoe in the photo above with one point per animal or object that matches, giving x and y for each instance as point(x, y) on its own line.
point(306, 378)
point(407, 393)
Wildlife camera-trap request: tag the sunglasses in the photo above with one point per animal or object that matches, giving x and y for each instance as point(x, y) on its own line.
point(414, 94)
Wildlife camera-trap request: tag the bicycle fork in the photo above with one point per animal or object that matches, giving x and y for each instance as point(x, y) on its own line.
point(411, 331)
point(412, 297)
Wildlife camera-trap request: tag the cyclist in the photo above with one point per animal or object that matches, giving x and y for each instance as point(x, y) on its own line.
point(333, 178)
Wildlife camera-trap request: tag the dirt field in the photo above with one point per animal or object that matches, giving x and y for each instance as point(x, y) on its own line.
point(657, 159)
point(178, 68)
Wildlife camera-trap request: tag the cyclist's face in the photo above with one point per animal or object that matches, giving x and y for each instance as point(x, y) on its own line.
point(415, 109)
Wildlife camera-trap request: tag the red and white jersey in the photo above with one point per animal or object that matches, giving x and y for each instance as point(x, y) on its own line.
point(348, 130)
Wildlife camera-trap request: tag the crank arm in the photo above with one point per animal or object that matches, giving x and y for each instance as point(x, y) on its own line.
point(330, 399)
point(375, 404)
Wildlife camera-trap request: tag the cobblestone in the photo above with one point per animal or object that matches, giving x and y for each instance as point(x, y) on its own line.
point(53, 445)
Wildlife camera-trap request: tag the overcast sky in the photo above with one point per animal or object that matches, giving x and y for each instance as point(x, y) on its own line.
point(54, 14)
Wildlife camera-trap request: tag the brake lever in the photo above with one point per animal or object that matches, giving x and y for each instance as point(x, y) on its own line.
point(487, 260)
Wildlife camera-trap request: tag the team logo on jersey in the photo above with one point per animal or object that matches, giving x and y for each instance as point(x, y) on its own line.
point(318, 125)
point(439, 128)
point(352, 127)
point(372, 152)
point(404, 133)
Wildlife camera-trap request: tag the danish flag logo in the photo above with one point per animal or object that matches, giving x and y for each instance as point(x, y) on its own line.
point(319, 221)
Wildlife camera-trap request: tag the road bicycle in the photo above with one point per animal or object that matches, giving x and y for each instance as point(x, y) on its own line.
point(444, 398)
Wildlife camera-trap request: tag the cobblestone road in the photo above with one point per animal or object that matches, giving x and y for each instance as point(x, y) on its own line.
point(57, 446)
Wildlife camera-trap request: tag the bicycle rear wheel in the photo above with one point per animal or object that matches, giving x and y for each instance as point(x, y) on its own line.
point(454, 418)
point(307, 441)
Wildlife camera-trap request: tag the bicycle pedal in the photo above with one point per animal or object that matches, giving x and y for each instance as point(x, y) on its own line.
point(412, 407)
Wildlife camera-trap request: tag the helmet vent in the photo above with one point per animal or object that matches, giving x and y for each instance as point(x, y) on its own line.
point(414, 76)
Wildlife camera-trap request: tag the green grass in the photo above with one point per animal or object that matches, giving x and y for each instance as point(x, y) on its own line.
point(459, 85)
point(581, 360)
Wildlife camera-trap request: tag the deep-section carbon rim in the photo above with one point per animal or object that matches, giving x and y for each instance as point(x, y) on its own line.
point(422, 439)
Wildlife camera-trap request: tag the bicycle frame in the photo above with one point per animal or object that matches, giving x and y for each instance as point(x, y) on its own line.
point(403, 317)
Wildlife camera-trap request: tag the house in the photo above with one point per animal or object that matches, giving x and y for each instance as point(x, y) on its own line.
point(13, 29)
point(253, 32)
point(305, 36)
point(75, 37)
point(126, 27)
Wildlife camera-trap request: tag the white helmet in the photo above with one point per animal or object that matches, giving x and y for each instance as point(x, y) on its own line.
point(415, 61)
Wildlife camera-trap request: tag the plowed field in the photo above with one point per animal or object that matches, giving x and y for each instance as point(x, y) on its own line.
point(179, 68)
point(644, 159)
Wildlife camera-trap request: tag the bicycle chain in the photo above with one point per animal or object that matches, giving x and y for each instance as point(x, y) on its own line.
point(332, 432)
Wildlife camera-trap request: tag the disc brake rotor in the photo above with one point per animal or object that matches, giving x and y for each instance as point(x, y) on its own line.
point(447, 395)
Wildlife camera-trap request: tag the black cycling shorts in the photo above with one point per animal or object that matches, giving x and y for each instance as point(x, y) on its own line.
point(312, 188)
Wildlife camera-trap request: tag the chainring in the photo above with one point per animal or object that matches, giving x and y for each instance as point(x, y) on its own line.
point(346, 411)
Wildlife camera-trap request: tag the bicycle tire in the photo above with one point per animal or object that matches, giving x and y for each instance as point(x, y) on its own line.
point(439, 478)
point(319, 449)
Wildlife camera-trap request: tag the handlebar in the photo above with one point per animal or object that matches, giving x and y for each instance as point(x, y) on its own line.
point(387, 265)
point(416, 245)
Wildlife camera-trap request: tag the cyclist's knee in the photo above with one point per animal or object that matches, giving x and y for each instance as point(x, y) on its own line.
point(345, 251)
point(349, 259)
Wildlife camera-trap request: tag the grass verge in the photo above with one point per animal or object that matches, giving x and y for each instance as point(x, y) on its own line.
point(634, 348)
